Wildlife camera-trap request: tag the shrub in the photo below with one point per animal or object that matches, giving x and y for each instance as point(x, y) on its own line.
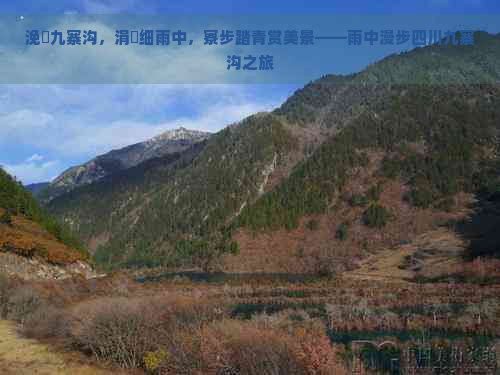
point(241, 348)
point(358, 200)
point(391, 167)
point(315, 350)
point(23, 302)
point(374, 192)
point(6, 217)
point(446, 204)
point(4, 295)
point(116, 330)
point(233, 248)
point(341, 233)
point(312, 225)
point(47, 321)
point(376, 216)
point(153, 360)
point(126, 331)
point(183, 354)
point(266, 348)
point(420, 197)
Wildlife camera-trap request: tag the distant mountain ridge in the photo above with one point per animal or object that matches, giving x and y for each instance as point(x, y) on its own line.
point(37, 187)
point(169, 142)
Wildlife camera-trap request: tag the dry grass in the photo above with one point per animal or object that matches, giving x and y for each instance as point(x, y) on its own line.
point(434, 254)
point(192, 329)
point(20, 356)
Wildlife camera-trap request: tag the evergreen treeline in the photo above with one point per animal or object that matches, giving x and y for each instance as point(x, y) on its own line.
point(456, 125)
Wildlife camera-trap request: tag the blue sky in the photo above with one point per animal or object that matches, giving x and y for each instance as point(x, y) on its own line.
point(44, 129)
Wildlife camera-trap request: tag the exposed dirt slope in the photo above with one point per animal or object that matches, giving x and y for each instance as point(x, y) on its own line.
point(30, 252)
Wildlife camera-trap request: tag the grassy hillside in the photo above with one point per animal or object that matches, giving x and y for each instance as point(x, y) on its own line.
point(28, 230)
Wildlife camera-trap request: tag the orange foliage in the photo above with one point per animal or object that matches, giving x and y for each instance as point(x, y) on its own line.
point(26, 238)
point(257, 349)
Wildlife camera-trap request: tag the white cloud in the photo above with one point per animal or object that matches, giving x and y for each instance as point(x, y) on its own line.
point(32, 172)
point(84, 121)
point(73, 123)
point(73, 136)
point(83, 139)
point(34, 158)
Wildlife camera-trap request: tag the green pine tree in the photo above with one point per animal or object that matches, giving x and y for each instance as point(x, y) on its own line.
point(6, 217)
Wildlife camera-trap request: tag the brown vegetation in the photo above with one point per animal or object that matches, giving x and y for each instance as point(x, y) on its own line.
point(27, 238)
point(303, 250)
point(251, 327)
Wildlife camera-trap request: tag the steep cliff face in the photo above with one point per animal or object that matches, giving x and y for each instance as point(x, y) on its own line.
point(169, 142)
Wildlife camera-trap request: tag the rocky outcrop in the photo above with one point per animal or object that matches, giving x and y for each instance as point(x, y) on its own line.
point(37, 269)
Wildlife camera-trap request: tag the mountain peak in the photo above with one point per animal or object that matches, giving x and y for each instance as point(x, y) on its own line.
point(168, 142)
point(180, 133)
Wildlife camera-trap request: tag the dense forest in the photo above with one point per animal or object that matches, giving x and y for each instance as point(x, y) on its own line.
point(456, 127)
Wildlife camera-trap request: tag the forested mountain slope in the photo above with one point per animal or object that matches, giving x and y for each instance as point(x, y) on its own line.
point(415, 160)
point(342, 155)
point(170, 208)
